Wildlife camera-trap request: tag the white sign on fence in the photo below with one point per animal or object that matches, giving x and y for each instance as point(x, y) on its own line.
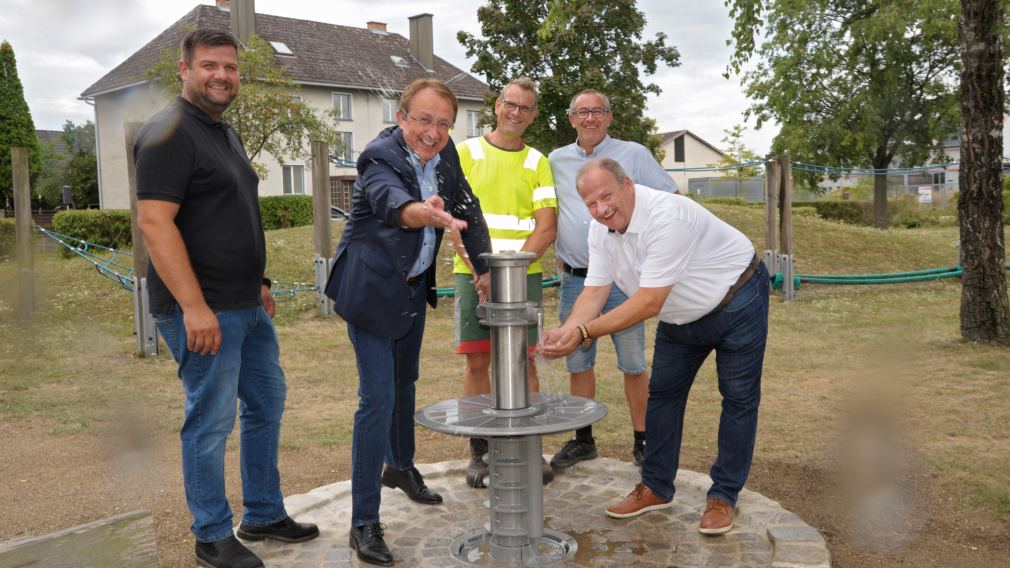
point(925, 194)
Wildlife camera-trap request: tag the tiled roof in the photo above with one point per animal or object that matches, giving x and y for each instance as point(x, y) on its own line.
point(324, 54)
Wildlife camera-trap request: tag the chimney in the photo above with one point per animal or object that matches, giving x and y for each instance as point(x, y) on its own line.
point(223, 5)
point(243, 19)
point(421, 41)
point(379, 27)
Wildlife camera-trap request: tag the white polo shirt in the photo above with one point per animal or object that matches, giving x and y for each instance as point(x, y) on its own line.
point(670, 240)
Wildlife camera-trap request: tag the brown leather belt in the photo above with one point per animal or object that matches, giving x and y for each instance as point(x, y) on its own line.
point(744, 277)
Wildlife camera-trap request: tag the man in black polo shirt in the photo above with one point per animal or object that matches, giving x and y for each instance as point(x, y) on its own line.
point(198, 208)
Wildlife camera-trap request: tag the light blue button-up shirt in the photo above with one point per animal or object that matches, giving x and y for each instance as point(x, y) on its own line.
point(572, 244)
point(427, 180)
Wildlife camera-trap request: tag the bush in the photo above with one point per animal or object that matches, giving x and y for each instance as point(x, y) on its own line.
point(805, 211)
point(286, 211)
point(854, 212)
point(105, 227)
point(6, 238)
point(726, 201)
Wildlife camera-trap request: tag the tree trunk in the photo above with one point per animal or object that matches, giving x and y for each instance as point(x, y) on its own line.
point(881, 219)
point(985, 312)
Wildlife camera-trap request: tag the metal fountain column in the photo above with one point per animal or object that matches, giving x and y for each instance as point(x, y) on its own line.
point(513, 420)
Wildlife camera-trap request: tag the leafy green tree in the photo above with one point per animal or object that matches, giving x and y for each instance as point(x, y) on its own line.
point(81, 171)
point(985, 310)
point(852, 83)
point(267, 113)
point(567, 46)
point(16, 126)
point(737, 153)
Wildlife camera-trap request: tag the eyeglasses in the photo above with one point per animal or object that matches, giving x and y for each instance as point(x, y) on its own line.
point(512, 107)
point(426, 121)
point(596, 112)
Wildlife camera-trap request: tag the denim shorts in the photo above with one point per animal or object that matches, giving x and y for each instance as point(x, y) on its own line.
point(629, 343)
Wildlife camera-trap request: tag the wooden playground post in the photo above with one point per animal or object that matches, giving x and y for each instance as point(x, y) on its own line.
point(143, 324)
point(23, 230)
point(322, 230)
point(786, 206)
point(771, 209)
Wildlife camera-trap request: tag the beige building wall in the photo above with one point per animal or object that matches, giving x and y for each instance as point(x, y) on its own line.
point(696, 155)
point(139, 103)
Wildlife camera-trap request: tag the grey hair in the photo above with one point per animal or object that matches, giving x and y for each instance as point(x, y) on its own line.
point(606, 101)
point(608, 164)
point(524, 83)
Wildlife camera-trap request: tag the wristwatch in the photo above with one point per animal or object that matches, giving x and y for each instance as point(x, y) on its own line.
point(587, 339)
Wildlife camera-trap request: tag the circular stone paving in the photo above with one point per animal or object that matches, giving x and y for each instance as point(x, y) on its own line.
point(574, 503)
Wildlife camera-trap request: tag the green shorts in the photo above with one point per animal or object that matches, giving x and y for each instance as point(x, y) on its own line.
point(471, 336)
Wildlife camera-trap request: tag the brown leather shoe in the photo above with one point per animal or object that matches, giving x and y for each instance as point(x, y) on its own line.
point(718, 517)
point(640, 500)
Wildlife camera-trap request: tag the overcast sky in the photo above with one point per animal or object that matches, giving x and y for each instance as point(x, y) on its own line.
point(63, 46)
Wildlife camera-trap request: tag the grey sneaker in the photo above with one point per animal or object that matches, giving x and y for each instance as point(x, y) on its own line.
point(477, 470)
point(573, 452)
point(638, 456)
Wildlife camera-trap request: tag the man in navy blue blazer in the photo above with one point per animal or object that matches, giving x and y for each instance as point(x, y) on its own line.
point(409, 190)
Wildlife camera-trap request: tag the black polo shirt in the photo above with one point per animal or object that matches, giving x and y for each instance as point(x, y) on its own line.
point(183, 156)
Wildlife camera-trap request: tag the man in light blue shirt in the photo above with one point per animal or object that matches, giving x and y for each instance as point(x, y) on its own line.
point(589, 113)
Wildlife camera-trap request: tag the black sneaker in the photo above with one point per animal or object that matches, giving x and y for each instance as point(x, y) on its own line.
point(572, 452)
point(286, 530)
point(227, 553)
point(548, 471)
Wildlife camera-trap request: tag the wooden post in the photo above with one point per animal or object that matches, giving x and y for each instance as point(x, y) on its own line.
point(139, 247)
point(771, 202)
point(23, 230)
point(786, 207)
point(322, 231)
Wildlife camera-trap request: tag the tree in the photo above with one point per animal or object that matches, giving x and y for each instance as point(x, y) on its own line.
point(737, 153)
point(567, 46)
point(267, 113)
point(856, 84)
point(81, 171)
point(16, 126)
point(985, 313)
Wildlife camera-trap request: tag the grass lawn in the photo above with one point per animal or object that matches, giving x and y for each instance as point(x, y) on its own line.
point(879, 426)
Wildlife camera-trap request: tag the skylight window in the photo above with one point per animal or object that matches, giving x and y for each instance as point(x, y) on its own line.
point(280, 48)
point(399, 61)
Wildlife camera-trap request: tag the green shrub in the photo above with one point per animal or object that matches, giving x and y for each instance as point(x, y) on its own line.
point(1006, 201)
point(726, 201)
point(105, 227)
point(853, 212)
point(286, 211)
point(805, 211)
point(6, 238)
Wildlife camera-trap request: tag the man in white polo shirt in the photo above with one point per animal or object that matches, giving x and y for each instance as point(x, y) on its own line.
point(700, 276)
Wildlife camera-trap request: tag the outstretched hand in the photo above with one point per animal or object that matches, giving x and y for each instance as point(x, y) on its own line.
point(431, 213)
point(559, 342)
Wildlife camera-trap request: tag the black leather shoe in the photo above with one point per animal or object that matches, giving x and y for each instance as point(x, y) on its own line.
point(284, 531)
point(367, 541)
point(572, 452)
point(411, 483)
point(227, 553)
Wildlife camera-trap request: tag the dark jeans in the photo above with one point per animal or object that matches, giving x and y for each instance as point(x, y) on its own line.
point(737, 333)
point(384, 422)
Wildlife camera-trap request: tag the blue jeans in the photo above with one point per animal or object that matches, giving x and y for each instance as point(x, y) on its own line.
point(628, 343)
point(737, 333)
point(384, 421)
point(246, 369)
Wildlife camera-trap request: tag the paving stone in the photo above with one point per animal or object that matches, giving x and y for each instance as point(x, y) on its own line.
point(419, 536)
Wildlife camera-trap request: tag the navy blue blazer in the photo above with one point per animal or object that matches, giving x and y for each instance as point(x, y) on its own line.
point(368, 282)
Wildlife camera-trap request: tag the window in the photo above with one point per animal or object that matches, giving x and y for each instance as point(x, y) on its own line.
point(294, 180)
point(473, 128)
point(399, 61)
point(340, 191)
point(347, 143)
point(342, 106)
point(389, 110)
point(280, 48)
point(678, 149)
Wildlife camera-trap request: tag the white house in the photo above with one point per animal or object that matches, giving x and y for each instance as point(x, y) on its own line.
point(684, 149)
point(358, 71)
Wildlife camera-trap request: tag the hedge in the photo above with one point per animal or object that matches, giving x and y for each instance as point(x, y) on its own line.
point(725, 201)
point(854, 212)
point(105, 227)
point(286, 211)
point(6, 238)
